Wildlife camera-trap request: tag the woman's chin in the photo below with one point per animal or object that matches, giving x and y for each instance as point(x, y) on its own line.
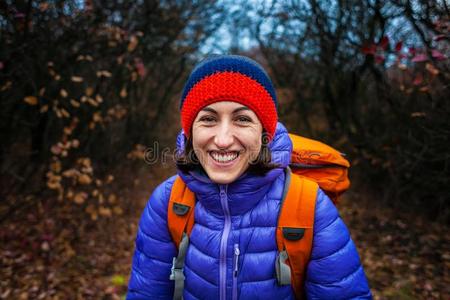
point(223, 176)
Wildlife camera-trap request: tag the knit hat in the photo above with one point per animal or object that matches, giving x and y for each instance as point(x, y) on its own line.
point(229, 78)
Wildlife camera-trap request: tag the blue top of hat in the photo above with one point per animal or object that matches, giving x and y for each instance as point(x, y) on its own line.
point(231, 63)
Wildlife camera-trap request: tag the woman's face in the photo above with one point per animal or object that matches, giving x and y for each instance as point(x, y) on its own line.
point(226, 137)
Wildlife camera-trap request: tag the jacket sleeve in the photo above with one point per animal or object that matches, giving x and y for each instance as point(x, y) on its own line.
point(334, 270)
point(152, 259)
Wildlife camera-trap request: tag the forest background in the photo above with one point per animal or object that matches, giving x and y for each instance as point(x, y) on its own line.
point(89, 95)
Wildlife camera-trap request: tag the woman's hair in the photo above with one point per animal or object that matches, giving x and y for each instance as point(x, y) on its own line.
point(188, 160)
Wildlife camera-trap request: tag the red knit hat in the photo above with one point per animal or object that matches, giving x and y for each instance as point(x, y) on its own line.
point(229, 78)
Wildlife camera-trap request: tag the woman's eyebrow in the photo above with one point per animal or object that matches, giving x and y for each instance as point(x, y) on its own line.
point(240, 109)
point(209, 109)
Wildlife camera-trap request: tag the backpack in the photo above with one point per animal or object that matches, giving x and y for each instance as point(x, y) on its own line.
point(313, 165)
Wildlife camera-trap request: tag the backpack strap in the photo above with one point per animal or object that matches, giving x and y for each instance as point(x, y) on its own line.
point(295, 231)
point(180, 211)
point(180, 220)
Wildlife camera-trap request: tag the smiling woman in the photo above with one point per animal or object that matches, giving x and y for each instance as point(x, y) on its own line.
point(218, 229)
point(227, 139)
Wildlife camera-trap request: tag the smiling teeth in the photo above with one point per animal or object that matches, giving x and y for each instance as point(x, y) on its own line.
point(223, 158)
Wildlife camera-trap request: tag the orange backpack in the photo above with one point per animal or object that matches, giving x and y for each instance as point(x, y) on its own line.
point(322, 164)
point(314, 165)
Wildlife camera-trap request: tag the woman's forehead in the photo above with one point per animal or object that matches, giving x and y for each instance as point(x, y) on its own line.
point(225, 106)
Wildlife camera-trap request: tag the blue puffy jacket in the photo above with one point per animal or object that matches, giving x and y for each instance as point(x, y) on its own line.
point(233, 247)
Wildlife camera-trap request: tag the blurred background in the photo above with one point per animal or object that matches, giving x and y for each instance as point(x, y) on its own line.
point(87, 86)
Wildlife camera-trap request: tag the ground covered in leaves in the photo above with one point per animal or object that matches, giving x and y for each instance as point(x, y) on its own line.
point(51, 251)
point(405, 256)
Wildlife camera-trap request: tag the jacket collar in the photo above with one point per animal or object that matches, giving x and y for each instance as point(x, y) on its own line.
point(246, 191)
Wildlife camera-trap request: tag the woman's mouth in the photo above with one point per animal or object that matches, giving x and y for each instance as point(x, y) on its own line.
point(224, 157)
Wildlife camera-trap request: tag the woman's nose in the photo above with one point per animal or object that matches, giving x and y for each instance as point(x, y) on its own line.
point(224, 136)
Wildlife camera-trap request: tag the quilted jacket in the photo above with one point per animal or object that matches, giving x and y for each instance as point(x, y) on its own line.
point(232, 248)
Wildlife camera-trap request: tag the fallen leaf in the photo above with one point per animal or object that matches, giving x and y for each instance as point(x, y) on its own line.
point(133, 43)
point(430, 68)
point(75, 143)
point(31, 100)
point(6, 86)
point(54, 183)
point(80, 197)
point(104, 73)
point(45, 246)
point(118, 210)
point(71, 173)
point(55, 166)
point(104, 211)
point(97, 117)
point(77, 79)
point(109, 178)
point(112, 199)
point(55, 149)
point(44, 108)
point(92, 102)
point(118, 280)
point(84, 179)
point(123, 92)
point(89, 91)
point(65, 113)
point(74, 103)
point(418, 114)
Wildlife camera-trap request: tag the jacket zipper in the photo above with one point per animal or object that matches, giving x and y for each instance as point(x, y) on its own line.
point(235, 271)
point(224, 242)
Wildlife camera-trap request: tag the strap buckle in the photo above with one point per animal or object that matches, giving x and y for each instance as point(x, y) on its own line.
point(283, 270)
point(176, 273)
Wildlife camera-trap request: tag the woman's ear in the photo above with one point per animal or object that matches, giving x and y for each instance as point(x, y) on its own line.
point(265, 138)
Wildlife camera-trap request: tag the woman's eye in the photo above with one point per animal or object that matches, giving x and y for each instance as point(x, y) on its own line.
point(207, 119)
point(243, 119)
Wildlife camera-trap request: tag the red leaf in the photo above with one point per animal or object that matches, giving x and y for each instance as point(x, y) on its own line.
point(47, 237)
point(19, 15)
point(384, 42)
point(369, 50)
point(141, 69)
point(438, 55)
point(419, 58)
point(418, 80)
point(440, 37)
point(398, 46)
point(379, 59)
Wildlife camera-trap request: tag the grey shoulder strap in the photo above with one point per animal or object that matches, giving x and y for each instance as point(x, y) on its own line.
point(177, 268)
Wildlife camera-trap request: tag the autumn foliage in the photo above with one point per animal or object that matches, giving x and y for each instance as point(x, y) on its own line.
point(87, 86)
point(83, 84)
point(372, 79)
